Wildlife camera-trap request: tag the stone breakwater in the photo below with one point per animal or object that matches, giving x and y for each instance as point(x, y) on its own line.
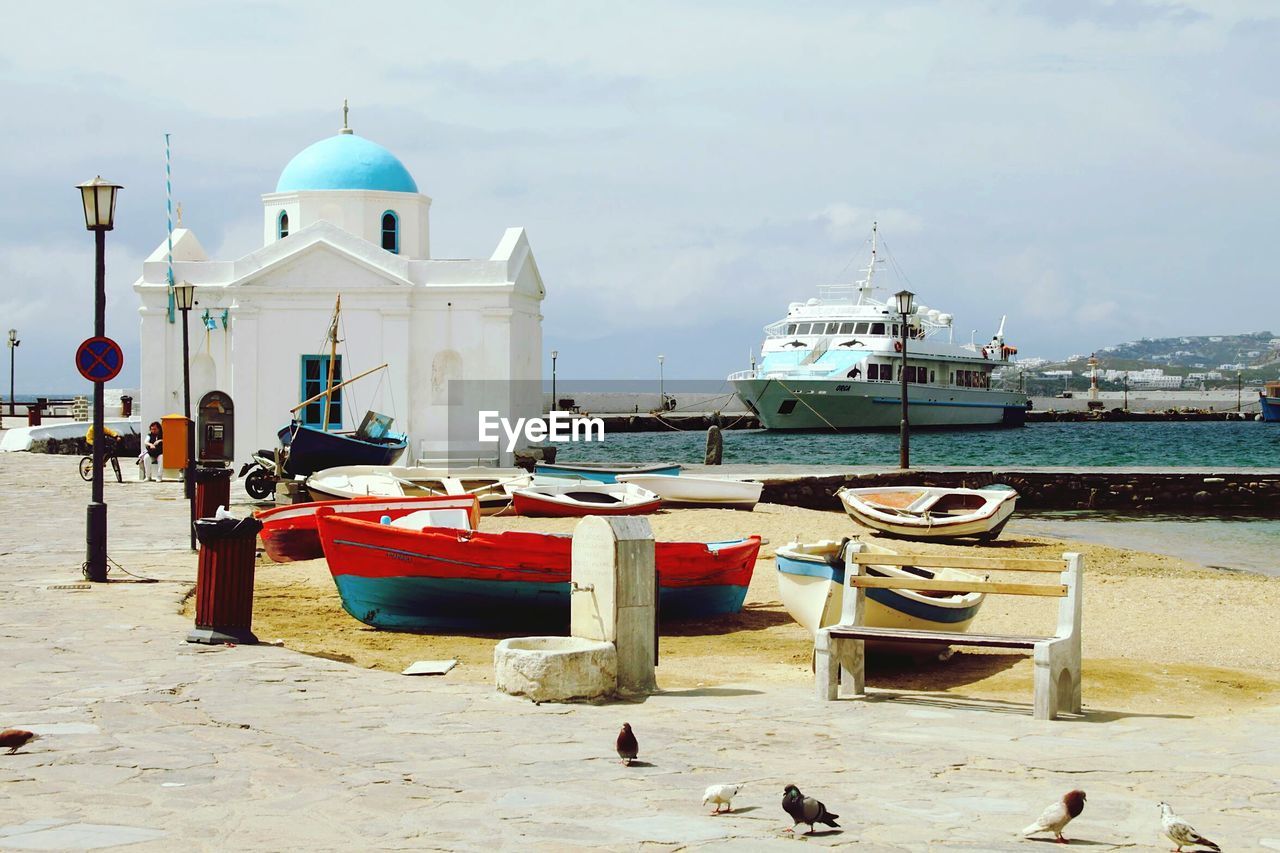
point(1173, 490)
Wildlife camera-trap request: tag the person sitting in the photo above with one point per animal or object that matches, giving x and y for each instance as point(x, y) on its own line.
point(152, 445)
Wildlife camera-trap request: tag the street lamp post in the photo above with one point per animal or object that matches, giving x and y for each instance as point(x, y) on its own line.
point(13, 342)
point(184, 297)
point(99, 200)
point(1239, 386)
point(1126, 390)
point(554, 355)
point(662, 393)
point(905, 306)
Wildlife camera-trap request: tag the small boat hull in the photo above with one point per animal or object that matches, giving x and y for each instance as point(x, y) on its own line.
point(603, 473)
point(582, 499)
point(312, 450)
point(289, 532)
point(489, 485)
point(926, 513)
point(1270, 403)
point(811, 585)
point(699, 491)
point(435, 580)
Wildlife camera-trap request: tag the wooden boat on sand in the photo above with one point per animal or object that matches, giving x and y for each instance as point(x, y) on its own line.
point(606, 472)
point(584, 498)
point(489, 485)
point(437, 580)
point(811, 584)
point(289, 532)
point(925, 512)
point(685, 491)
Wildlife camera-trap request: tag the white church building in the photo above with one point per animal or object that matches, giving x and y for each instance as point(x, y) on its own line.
point(346, 217)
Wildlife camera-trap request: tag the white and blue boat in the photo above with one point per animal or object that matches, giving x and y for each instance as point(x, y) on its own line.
point(605, 472)
point(835, 363)
point(811, 584)
point(1269, 400)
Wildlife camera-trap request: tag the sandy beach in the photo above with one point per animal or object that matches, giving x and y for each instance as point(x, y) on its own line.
point(1160, 633)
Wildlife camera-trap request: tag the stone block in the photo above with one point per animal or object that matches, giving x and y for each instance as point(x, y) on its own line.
point(555, 669)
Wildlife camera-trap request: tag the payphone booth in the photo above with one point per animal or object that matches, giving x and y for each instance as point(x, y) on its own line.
point(215, 429)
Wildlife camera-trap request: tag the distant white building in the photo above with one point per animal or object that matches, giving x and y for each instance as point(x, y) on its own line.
point(1032, 363)
point(346, 217)
point(1058, 373)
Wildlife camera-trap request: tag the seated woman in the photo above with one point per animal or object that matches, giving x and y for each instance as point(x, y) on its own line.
point(152, 445)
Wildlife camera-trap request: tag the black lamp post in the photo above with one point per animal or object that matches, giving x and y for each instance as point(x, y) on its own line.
point(13, 342)
point(1126, 390)
point(905, 306)
point(184, 297)
point(554, 355)
point(99, 200)
point(1239, 386)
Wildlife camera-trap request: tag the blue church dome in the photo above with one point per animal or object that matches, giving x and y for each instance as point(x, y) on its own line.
point(346, 162)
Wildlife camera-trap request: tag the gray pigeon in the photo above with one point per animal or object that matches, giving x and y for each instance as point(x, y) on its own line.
point(805, 810)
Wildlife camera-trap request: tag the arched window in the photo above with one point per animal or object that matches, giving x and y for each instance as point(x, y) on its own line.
point(391, 232)
point(282, 224)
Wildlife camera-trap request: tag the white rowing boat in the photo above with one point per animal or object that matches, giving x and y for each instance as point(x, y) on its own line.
point(926, 512)
point(489, 485)
point(584, 498)
point(685, 491)
point(811, 585)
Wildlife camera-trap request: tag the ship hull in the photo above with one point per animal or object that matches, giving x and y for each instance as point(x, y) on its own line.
point(808, 404)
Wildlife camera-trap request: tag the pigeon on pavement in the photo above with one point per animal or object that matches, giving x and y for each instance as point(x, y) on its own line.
point(1056, 817)
point(1180, 832)
point(628, 746)
point(805, 810)
point(15, 739)
point(721, 795)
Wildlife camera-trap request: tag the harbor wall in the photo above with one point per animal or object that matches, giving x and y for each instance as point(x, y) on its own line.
point(1245, 493)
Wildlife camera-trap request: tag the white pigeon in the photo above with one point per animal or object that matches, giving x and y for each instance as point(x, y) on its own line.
point(1056, 817)
point(721, 795)
point(1180, 832)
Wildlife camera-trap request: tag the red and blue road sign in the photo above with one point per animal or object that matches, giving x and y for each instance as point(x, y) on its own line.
point(99, 359)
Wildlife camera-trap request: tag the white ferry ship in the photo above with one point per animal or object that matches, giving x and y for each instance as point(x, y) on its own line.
point(835, 363)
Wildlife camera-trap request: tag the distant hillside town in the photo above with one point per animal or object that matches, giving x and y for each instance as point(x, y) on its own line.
point(1183, 363)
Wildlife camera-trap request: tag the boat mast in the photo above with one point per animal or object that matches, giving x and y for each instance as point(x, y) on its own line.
point(865, 285)
point(333, 356)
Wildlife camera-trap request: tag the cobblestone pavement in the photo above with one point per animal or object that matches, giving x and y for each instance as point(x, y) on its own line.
point(160, 745)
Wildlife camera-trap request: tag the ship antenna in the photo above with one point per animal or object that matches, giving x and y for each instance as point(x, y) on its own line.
point(865, 284)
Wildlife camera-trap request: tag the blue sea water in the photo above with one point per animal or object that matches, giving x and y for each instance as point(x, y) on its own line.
point(1211, 444)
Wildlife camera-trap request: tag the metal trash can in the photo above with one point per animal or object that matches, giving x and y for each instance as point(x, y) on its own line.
point(126, 406)
point(34, 411)
point(224, 580)
point(213, 489)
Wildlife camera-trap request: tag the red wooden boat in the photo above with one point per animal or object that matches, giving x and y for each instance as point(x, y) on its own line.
point(437, 579)
point(289, 532)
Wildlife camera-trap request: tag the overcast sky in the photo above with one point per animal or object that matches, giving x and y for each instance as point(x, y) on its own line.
point(1099, 171)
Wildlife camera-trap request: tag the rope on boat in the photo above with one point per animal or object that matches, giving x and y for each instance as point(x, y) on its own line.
point(806, 405)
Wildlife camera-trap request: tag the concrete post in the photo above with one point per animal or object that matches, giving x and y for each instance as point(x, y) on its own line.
point(615, 594)
point(715, 446)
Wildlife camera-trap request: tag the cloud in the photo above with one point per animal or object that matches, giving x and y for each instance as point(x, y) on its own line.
point(844, 223)
point(1113, 14)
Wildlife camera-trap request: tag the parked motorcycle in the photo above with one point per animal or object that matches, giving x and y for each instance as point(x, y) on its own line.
point(261, 478)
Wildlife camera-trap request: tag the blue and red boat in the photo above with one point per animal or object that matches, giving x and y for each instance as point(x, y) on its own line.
point(436, 579)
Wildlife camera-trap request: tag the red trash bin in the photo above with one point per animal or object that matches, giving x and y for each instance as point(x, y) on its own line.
point(34, 411)
point(224, 580)
point(213, 489)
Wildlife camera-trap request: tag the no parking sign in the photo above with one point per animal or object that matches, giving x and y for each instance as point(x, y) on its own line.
point(99, 359)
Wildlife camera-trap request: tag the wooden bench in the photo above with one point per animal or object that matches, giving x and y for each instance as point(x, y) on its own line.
point(839, 650)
